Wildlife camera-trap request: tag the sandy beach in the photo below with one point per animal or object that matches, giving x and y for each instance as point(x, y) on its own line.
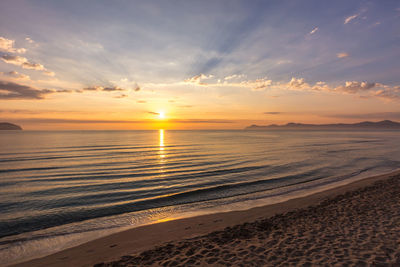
point(354, 224)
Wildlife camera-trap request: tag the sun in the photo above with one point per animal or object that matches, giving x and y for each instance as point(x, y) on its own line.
point(161, 115)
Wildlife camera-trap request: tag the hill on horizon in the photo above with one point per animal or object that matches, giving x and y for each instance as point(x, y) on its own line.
point(385, 124)
point(9, 126)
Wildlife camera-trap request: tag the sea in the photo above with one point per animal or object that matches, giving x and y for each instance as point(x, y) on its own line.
point(59, 189)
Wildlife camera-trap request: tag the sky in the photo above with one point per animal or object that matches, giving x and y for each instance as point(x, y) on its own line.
point(197, 64)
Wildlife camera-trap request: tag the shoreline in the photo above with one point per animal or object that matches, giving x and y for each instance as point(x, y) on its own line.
point(143, 238)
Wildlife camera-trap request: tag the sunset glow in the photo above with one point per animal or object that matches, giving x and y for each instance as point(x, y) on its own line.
point(161, 115)
point(212, 65)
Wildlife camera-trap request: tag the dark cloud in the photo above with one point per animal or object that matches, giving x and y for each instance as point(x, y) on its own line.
point(153, 113)
point(65, 91)
point(9, 90)
point(34, 66)
point(201, 121)
point(105, 89)
point(37, 111)
point(121, 96)
point(368, 116)
point(112, 89)
point(19, 111)
point(273, 113)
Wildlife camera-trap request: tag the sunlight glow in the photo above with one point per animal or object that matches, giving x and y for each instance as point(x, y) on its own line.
point(161, 115)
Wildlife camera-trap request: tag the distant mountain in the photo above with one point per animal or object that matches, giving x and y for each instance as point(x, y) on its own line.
point(386, 124)
point(9, 126)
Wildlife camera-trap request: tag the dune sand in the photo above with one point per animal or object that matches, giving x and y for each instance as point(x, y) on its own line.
point(354, 224)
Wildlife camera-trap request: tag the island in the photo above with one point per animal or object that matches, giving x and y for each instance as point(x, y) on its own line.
point(9, 126)
point(386, 125)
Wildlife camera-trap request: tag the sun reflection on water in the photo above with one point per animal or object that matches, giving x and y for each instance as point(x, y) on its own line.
point(161, 133)
point(161, 144)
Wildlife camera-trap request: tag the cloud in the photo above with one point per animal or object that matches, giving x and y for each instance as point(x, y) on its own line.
point(202, 121)
point(15, 60)
point(283, 61)
point(127, 84)
point(342, 55)
point(29, 40)
point(33, 66)
point(259, 84)
point(141, 101)
point(15, 75)
point(198, 79)
point(363, 89)
point(23, 62)
point(121, 96)
point(65, 91)
point(234, 76)
point(153, 113)
point(313, 31)
point(112, 89)
point(7, 45)
point(350, 87)
point(368, 116)
point(19, 111)
point(298, 83)
point(104, 89)
point(320, 86)
point(256, 85)
point(355, 87)
point(273, 113)
point(389, 94)
point(49, 73)
point(39, 111)
point(93, 88)
point(350, 18)
point(9, 90)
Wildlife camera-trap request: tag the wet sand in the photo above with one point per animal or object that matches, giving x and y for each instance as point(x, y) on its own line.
point(355, 224)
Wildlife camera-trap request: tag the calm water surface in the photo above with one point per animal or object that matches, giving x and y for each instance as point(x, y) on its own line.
point(59, 189)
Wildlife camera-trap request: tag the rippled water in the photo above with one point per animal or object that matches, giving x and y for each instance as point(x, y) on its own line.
point(58, 189)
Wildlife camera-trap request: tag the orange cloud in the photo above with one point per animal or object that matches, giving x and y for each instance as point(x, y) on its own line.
point(15, 75)
point(342, 55)
point(7, 45)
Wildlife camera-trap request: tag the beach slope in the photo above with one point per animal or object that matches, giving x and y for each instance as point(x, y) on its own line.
point(358, 223)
